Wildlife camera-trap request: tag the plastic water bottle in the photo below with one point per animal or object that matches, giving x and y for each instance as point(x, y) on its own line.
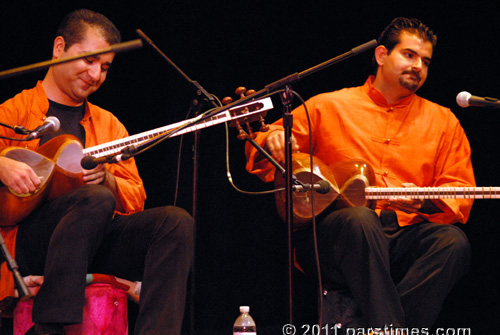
point(244, 324)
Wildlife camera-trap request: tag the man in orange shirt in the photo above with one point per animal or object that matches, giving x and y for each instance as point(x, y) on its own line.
point(400, 260)
point(101, 227)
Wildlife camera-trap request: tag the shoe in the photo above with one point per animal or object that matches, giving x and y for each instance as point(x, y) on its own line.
point(44, 329)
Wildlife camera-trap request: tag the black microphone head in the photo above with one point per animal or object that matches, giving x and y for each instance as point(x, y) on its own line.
point(88, 162)
point(463, 99)
point(325, 187)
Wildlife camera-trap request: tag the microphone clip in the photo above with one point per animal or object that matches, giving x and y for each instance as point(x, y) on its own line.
point(90, 162)
point(321, 187)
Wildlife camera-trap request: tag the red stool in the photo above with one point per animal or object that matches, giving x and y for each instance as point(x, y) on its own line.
point(105, 313)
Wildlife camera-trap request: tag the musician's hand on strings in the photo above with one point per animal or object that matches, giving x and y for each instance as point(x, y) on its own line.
point(95, 176)
point(405, 204)
point(275, 144)
point(19, 176)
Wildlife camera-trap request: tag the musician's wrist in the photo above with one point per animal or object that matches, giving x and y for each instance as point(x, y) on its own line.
point(429, 207)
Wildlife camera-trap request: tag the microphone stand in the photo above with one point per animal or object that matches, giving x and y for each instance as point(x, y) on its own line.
point(287, 124)
point(286, 99)
point(12, 265)
point(294, 78)
point(197, 103)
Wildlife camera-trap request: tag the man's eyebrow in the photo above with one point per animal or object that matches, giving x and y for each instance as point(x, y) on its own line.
point(429, 59)
point(98, 56)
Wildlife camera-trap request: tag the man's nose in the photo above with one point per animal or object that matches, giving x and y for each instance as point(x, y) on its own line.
point(95, 72)
point(417, 65)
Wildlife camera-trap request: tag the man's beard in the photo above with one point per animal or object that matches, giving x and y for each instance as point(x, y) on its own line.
point(411, 85)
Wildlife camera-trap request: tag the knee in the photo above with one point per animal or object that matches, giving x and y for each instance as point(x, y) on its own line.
point(353, 224)
point(177, 223)
point(95, 197)
point(362, 216)
point(356, 219)
point(455, 241)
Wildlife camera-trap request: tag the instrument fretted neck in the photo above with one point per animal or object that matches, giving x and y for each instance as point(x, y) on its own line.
point(379, 193)
point(239, 112)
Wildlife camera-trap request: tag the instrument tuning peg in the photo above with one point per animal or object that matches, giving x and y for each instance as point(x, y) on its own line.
point(263, 126)
point(241, 133)
point(227, 101)
point(249, 92)
point(240, 91)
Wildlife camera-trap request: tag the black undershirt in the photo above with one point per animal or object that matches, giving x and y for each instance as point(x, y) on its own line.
point(70, 118)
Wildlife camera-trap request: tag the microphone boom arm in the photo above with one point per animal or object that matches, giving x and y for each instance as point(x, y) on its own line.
point(116, 48)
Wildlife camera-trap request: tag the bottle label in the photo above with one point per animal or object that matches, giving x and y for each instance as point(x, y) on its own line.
point(244, 333)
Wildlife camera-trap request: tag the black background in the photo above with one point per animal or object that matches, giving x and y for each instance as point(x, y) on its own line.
point(241, 250)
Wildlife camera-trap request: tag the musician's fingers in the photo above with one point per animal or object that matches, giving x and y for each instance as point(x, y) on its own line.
point(398, 206)
point(278, 155)
point(276, 145)
point(94, 179)
point(35, 181)
point(295, 146)
point(19, 176)
point(94, 176)
point(405, 204)
point(26, 182)
point(277, 152)
point(405, 200)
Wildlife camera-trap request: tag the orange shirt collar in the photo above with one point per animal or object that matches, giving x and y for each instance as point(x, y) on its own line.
point(379, 98)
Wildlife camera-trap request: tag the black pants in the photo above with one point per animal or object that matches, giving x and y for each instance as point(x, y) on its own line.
point(75, 234)
point(398, 276)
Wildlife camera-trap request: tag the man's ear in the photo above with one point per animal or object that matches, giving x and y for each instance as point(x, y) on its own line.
point(59, 46)
point(380, 53)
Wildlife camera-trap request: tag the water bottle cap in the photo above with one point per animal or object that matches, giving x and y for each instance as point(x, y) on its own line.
point(244, 309)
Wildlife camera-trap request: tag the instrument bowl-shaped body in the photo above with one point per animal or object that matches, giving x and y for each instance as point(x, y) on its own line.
point(302, 201)
point(57, 163)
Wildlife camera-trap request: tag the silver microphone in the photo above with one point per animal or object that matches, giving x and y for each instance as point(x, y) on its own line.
point(50, 125)
point(465, 99)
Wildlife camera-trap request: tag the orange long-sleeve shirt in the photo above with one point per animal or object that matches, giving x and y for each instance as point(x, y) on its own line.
point(28, 109)
point(414, 141)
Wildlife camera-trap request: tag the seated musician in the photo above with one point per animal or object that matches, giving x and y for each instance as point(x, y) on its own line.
point(400, 260)
point(100, 227)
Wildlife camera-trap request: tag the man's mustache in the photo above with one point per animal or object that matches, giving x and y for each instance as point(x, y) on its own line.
point(416, 74)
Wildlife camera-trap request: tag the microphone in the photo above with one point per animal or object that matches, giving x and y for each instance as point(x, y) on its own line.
point(50, 125)
point(465, 99)
point(90, 162)
point(321, 187)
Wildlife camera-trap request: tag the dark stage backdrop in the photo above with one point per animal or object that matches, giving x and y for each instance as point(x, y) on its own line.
point(241, 250)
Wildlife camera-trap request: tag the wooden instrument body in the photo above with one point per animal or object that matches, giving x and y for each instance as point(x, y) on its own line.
point(57, 163)
point(353, 176)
